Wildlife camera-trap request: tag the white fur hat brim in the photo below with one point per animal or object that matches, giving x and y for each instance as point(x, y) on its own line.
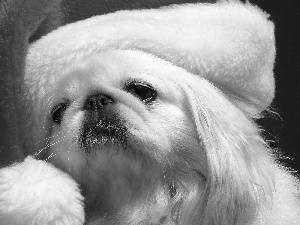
point(229, 43)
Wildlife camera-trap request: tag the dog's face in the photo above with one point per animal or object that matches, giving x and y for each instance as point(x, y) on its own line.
point(120, 127)
point(149, 142)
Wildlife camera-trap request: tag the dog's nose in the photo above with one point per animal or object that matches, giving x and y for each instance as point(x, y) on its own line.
point(98, 101)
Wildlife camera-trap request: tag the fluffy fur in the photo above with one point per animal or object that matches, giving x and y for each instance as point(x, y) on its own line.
point(35, 193)
point(191, 155)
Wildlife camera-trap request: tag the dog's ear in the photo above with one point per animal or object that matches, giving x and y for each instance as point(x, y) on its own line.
point(238, 179)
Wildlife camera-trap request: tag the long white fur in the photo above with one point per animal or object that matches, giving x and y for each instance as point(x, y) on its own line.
point(245, 185)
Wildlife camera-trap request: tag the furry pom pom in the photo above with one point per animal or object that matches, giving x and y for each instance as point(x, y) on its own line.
point(35, 192)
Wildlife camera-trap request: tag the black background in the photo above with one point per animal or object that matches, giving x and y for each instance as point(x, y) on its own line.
point(284, 128)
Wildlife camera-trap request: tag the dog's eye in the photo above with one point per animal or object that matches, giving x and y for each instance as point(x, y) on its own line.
point(58, 112)
point(143, 91)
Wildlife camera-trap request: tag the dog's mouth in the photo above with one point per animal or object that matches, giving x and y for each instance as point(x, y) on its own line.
point(102, 131)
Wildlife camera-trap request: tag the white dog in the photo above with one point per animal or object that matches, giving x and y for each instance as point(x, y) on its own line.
point(151, 112)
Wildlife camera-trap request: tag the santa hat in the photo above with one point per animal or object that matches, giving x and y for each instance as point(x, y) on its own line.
point(229, 43)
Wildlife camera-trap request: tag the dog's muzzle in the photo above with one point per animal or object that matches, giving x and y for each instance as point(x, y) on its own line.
point(101, 124)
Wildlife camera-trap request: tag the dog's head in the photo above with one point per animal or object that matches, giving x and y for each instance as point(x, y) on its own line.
point(160, 136)
point(119, 124)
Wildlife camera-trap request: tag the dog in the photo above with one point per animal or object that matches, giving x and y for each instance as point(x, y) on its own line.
point(130, 136)
point(157, 129)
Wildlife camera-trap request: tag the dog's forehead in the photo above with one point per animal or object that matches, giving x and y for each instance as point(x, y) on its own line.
point(115, 68)
point(106, 71)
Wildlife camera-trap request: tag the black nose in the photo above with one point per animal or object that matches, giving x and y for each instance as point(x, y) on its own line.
point(98, 101)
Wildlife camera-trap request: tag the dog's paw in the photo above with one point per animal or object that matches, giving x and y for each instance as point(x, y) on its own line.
point(36, 193)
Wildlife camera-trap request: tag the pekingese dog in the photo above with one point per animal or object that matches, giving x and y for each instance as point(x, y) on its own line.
point(151, 142)
point(124, 128)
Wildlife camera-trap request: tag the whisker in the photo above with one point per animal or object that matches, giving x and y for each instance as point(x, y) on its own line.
point(48, 138)
point(62, 138)
point(50, 156)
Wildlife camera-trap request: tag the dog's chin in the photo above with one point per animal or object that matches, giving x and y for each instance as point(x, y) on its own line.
point(115, 176)
point(112, 171)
